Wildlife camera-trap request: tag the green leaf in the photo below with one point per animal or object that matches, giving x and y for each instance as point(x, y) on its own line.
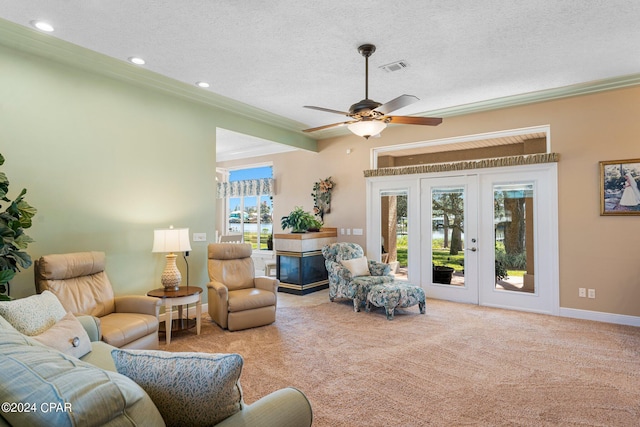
point(22, 258)
point(4, 185)
point(26, 213)
point(6, 275)
point(22, 241)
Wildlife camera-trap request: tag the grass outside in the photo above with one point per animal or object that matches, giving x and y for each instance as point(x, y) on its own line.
point(441, 257)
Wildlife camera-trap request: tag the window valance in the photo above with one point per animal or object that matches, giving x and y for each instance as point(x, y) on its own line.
point(527, 159)
point(248, 187)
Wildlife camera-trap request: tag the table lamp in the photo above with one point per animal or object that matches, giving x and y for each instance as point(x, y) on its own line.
point(168, 241)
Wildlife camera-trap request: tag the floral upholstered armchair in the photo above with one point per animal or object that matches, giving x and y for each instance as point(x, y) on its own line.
point(351, 275)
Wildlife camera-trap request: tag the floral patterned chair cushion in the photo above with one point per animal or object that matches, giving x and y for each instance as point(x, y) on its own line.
point(341, 282)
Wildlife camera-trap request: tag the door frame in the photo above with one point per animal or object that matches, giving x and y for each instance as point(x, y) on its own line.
point(469, 293)
point(412, 182)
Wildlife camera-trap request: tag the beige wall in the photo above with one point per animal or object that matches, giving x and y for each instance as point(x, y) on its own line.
point(595, 252)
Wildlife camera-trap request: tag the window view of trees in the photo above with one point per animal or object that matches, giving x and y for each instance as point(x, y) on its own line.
point(447, 210)
point(513, 234)
point(251, 216)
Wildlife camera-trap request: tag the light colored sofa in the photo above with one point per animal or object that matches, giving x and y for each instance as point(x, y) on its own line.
point(46, 387)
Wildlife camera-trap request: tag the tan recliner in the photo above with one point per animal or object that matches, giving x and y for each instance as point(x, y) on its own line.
point(237, 299)
point(82, 286)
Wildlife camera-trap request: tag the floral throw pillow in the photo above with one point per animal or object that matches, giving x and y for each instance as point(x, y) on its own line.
point(189, 389)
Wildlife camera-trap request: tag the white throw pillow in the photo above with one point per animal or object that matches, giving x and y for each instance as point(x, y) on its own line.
point(67, 336)
point(189, 389)
point(357, 266)
point(33, 315)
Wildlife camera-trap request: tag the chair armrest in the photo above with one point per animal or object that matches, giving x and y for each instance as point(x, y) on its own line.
point(287, 407)
point(218, 302)
point(266, 283)
point(339, 270)
point(220, 289)
point(91, 324)
point(138, 304)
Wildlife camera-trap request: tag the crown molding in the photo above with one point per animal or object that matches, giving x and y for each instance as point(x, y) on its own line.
point(516, 100)
point(44, 45)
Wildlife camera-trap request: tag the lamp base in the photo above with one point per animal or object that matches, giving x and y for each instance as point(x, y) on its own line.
point(171, 276)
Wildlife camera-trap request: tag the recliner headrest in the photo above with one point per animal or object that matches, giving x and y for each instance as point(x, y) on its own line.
point(229, 250)
point(68, 266)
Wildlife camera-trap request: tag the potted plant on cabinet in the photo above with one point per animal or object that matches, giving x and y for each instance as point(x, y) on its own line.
point(300, 221)
point(13, 221)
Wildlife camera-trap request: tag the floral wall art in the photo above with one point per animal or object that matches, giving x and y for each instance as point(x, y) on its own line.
point(322, 197)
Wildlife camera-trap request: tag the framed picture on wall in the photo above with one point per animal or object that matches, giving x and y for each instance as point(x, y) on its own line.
point(619, 183)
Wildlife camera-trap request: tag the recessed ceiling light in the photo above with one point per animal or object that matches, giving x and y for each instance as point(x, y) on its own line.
point(203, 84)
point(136, 60)
point(42, 26)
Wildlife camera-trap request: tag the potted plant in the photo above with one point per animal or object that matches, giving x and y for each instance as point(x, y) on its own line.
point(300, 221)
point(442, 274)
point(13, 221)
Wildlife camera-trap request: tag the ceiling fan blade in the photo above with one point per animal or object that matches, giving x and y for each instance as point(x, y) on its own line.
point(397, 103)
point(407, 120)
point(328, 110)
point(325, 126)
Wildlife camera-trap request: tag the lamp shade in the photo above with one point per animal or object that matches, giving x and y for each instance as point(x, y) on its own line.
point(171, 240)
point(367, 128)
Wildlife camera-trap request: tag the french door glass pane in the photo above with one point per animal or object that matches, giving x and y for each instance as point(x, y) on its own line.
point(447, 237)
point(394, 231)
point(513, 225)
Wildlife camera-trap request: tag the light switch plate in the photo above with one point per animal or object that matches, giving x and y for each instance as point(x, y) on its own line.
point(199, 237)
point(357, 231)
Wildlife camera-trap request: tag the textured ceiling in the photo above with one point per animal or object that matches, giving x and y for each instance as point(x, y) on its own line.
point(280, 55)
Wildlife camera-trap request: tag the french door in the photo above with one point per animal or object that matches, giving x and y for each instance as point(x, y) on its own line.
point(449, 224)
point(485, 237)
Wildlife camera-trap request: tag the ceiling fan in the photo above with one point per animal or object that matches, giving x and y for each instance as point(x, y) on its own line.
point(368, 117)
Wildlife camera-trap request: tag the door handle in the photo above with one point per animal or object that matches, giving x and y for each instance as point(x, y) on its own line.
point(473, 249)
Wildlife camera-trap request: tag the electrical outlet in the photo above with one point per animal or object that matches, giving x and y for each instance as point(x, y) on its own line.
point(592, 293)
point(348, 232)
point(582, 292)
point(342, 231)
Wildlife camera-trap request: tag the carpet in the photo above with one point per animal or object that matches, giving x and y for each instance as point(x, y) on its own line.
point(457, 365)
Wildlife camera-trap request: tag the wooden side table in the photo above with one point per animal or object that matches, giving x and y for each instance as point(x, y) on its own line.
point(183, 296)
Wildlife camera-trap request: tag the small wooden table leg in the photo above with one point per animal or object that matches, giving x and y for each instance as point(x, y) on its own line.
point(168, 320)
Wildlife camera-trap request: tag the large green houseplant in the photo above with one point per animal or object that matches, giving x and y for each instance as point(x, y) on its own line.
point(13, 221)
point(300, 221)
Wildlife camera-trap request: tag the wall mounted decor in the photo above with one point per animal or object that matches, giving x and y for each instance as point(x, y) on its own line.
point(322, 197)
point(619, 193)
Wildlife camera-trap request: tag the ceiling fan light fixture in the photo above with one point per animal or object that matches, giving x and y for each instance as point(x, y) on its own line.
point(367, 128)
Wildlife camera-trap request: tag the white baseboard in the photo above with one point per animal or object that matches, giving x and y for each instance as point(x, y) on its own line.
point(192, 312)
point(620, 319)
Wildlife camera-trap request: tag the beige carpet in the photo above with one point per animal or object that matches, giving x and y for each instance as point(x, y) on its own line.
point(458, 365)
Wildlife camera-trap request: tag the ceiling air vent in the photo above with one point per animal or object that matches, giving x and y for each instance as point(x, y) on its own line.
point(395, 66)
